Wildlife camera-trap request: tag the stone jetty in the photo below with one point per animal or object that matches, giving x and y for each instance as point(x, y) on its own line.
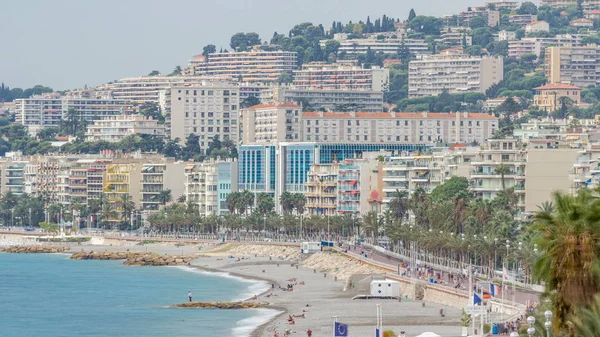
point(136, 259)
point(220, 305)
point(34, 249)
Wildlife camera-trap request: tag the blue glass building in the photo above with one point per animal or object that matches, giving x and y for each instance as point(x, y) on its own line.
point(275, 168)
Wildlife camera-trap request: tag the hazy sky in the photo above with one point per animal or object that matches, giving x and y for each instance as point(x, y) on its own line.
point(70, 43)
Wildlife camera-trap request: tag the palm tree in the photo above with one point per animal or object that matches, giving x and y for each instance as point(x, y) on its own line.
point(164, 196)
point(570, 264)
point(299, 202)
point(233, 201)
point(286, 199)
point(247, 201)
point(502, 170)
point(587, 322)
point(126, 205)
point(107, 212)
point(546, 206)
point(399, 204)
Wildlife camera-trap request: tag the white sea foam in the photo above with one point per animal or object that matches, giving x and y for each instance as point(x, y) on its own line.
point(246, 326)
point(255, 287)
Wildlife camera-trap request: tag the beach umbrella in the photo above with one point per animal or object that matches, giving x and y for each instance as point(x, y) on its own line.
point(429, 334)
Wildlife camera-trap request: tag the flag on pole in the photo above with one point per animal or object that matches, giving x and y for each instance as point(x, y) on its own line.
point(493, 290)
point(486, 295)
point(476, 299)
point(340, 330)
point(377, 333)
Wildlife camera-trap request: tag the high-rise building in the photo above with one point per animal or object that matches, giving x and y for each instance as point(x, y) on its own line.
point(146, 89)
point(209, 183)
point(578, 66)
point(320, 75)
point(269, 123)
point(39, 112)
point(455, 73)
point(248, 66)
point(386, 46)
point(207, 111)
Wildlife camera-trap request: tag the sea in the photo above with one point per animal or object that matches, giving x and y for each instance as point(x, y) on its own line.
point(49, 295)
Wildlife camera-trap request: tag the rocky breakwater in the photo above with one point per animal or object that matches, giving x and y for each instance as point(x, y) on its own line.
point(34, 249)
point(136, 259)
point(220, 305)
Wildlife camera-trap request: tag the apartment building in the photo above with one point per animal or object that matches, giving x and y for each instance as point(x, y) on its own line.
point(409, 173)
point(147, 89)
point(13, 176)
point(492, 16)
point(342, 187)
point(456, 36)
point(386, 46)
point(332, 100)
point(521, 19)
point(157, 177)
point(537, 27)
point(278, 167)
point(115, 128)
point(585, 4)
point(455, 73)
point(537, 45)
point(548, 97)
point(39, 112)
point(577, 66)
point(527, 45)
point(275, 122)
point(503, 4)
point(209, 183)
point(505, 35)
point(497, 154)
point(323, 76)
point(251, 66)
point(585, 172)
point(397, 127)
point(209, 110)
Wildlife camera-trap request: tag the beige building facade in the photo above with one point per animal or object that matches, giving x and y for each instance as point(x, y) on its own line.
point(455, 73)
point(578, 66)
point(115, 128)
point(270, 123)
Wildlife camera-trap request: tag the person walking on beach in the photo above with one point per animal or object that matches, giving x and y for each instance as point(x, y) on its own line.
point(309, 333)
point(190, 296)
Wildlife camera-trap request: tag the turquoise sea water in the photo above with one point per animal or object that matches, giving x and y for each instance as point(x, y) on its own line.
point(52, 296)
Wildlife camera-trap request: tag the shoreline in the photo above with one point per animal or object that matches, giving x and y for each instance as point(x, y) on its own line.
point(326, 294)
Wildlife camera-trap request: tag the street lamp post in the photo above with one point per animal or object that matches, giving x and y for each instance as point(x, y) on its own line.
point(13, 217)
point(548, 323)
point(531, 329)
point(30, 217)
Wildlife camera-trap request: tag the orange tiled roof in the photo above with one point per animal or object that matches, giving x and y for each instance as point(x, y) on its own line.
point(557, 86)
point(582, 20)
point(274, 105)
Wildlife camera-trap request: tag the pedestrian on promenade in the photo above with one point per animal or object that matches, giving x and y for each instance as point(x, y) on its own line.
point(190, 296)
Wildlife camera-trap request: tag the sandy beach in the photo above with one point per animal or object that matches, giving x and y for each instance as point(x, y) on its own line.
point(326, 299)
point(316, 292)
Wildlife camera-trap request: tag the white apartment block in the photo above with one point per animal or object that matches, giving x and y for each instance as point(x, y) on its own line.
point(332, 100)
point(504, 4)
point(209, 183)
point(537, 27)
point(323, 76)
point(505, 35)
point(397, 127)
point(146, 89)
point(409, 173)
point(586, 4)
point(251, 66)
point(455, 73)
point(270, 123)
point(536, 45)
point(207, 111)
point(115, 128)
point(40, 112)
point(386, 46)
point(578, 66)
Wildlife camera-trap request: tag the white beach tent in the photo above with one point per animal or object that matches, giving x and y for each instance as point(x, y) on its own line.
point(428, 334)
